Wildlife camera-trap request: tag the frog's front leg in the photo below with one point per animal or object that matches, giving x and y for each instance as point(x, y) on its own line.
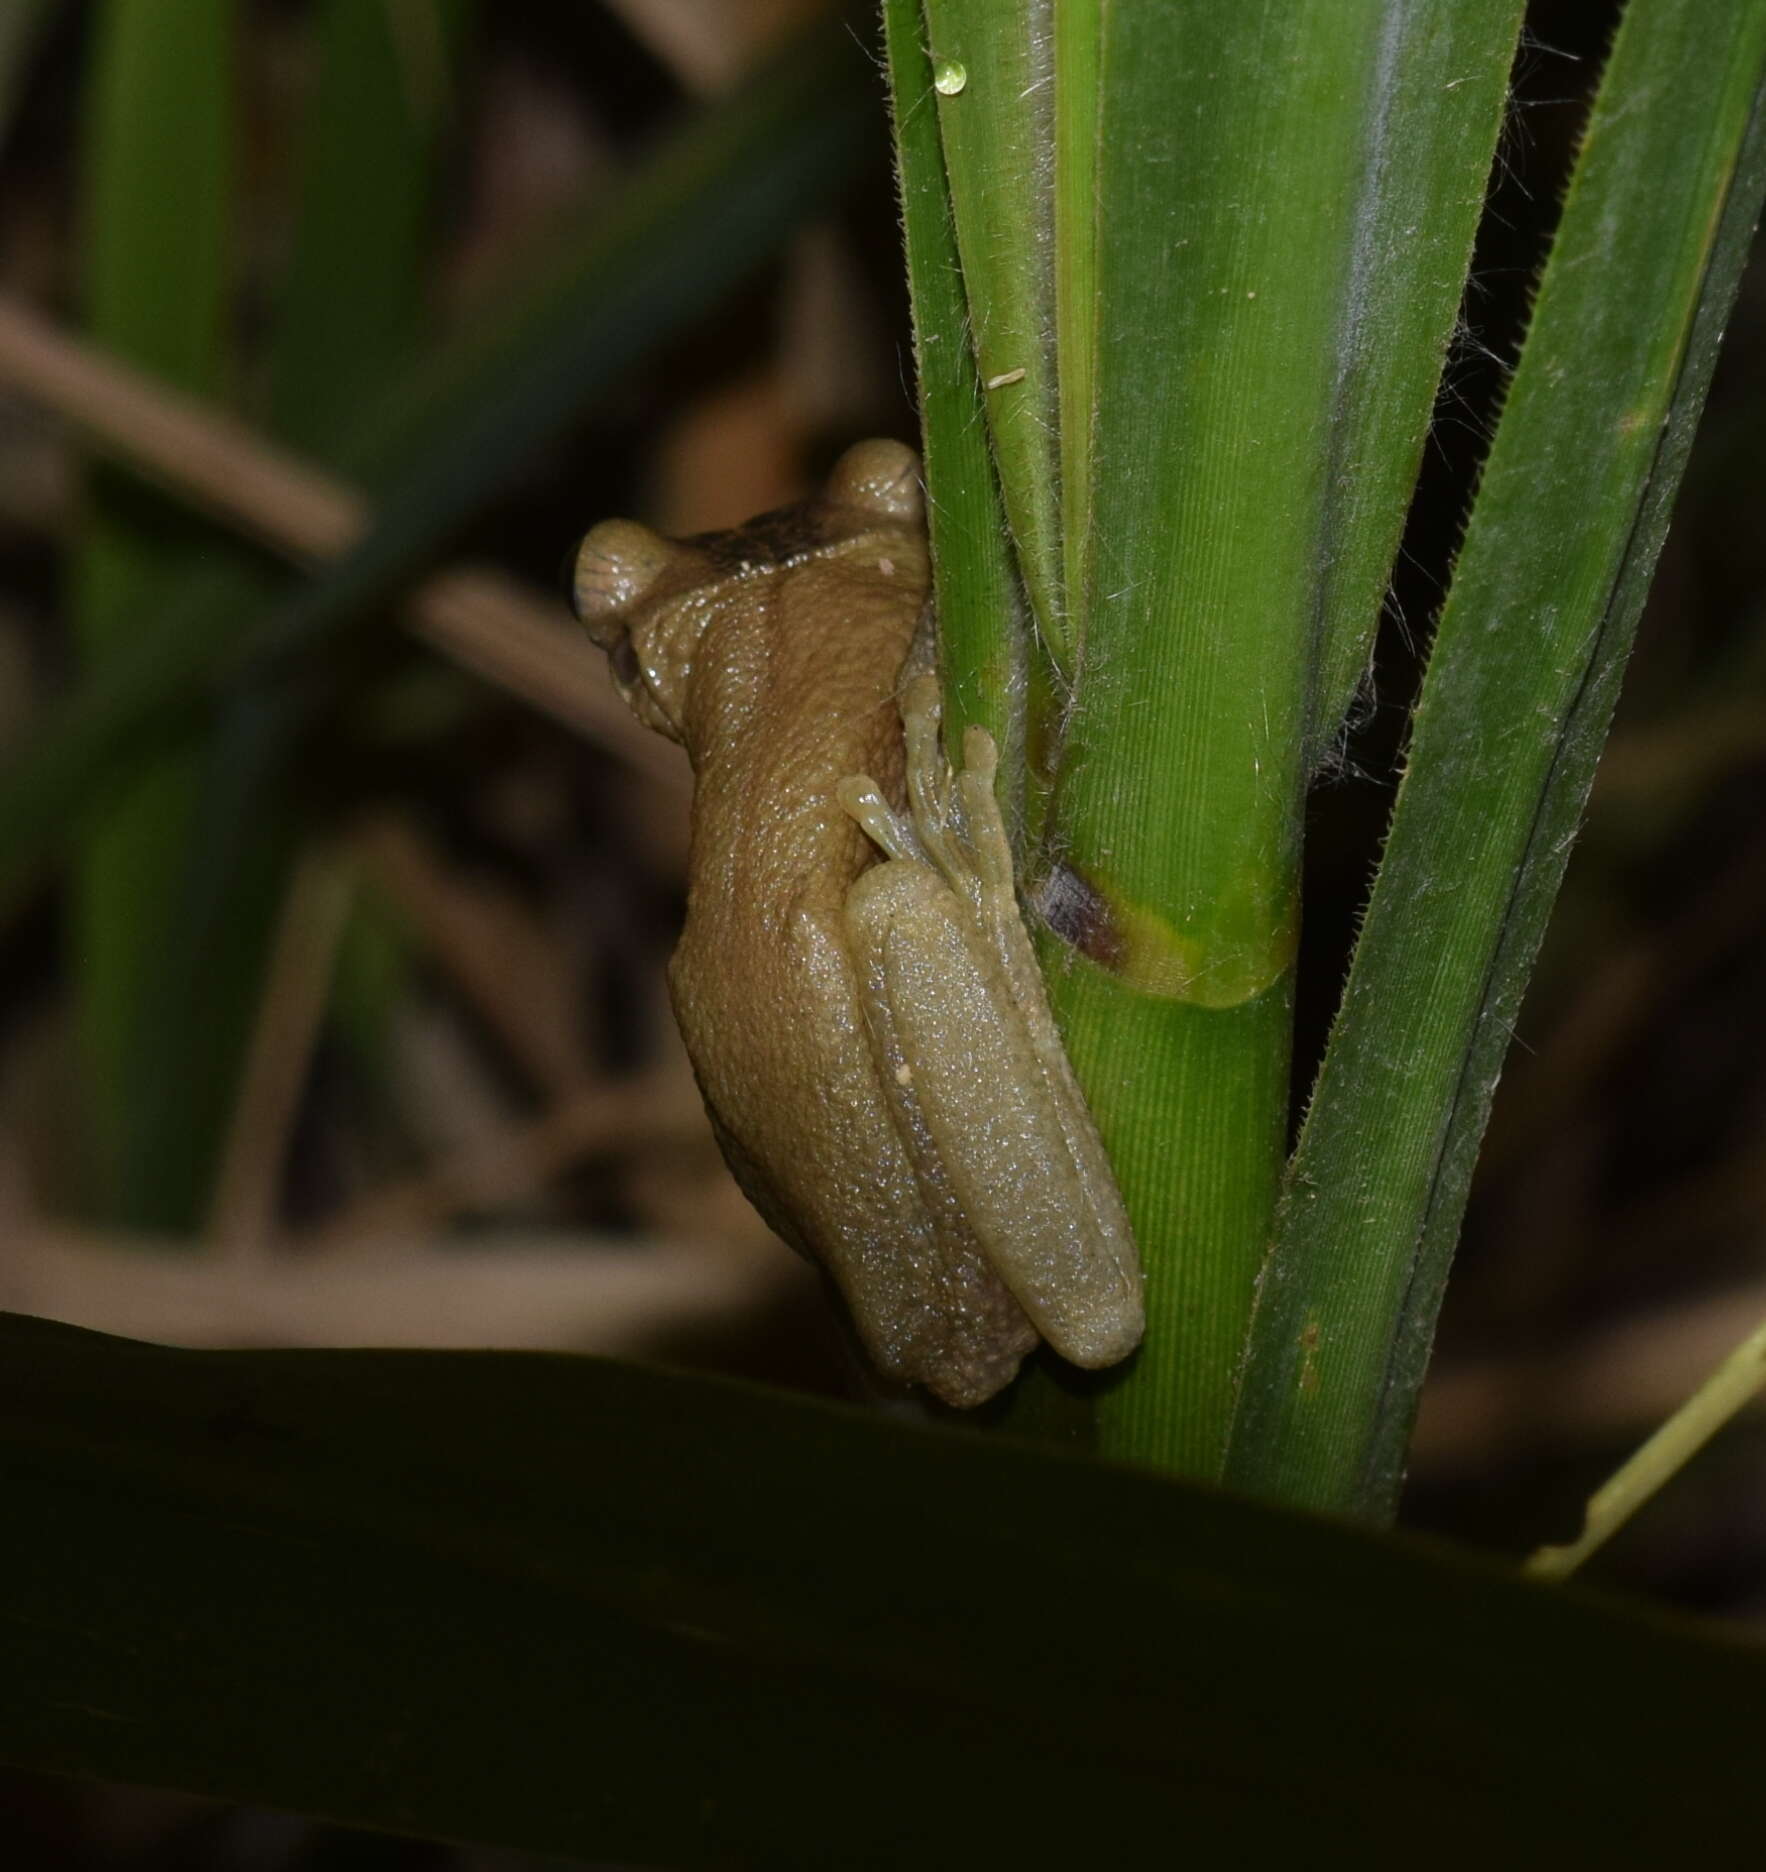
point(970, 1057)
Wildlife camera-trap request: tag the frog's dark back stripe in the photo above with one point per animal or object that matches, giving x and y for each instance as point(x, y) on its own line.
point(775, 539)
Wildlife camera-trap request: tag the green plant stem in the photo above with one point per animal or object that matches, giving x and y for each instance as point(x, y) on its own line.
point(1077, 35)
point(1176, 825)
point(1734, 1384)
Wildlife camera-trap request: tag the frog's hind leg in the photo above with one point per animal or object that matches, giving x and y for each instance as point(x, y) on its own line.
point(982, 1089)
point(985, 1331)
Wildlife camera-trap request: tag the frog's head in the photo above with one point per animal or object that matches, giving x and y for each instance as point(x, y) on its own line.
point(646, 599)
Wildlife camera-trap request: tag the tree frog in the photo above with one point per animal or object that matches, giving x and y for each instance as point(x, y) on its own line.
point(854, 983)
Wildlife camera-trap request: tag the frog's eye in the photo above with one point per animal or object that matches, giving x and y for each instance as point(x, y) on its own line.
point(881, 476)
point(617, 563)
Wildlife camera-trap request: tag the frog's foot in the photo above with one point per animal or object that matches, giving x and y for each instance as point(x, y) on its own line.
point(954, 822)
point(956, 816)
point(968, 1051)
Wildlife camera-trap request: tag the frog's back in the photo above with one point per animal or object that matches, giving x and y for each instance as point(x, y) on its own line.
point(796, 691)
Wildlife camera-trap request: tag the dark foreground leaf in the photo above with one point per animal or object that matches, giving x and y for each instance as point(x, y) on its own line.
point(568, 1605)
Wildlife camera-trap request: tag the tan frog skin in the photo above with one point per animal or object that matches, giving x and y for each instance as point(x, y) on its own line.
point(870, 1035)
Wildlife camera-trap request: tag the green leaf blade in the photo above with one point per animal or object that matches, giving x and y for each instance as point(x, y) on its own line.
point(1431, 113)
point(1551, 578)
point(348, 310)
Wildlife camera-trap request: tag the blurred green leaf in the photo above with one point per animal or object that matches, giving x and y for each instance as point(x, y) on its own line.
point(568, 1605)
point(702, 216)
point(385, 98)
point(382, 88)
point(1556, 563)
point(157, 254)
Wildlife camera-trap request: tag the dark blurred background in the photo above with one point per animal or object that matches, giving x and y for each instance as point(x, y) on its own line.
point(432, 1093)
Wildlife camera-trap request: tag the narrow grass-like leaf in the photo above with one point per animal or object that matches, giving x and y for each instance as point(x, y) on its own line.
point(158, 197)
point(1429, 114)
point(980, 605)
point(1552, 575)
point(701, 217)
point(567, 1605)
point(996, 112)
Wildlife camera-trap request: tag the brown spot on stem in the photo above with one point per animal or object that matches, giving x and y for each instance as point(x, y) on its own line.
point(1080, 916)
point(1217, 962)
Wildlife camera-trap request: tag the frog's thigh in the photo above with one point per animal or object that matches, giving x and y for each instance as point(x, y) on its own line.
point(961, 1066)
